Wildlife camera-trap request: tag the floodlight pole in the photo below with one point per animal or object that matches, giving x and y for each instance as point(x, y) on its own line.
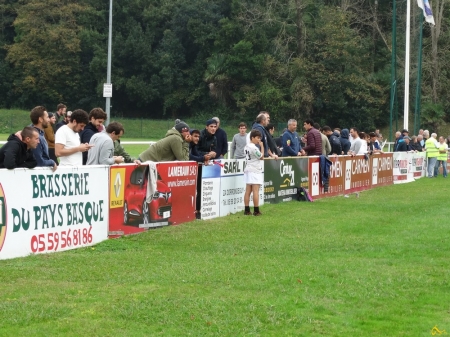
point(108, 72)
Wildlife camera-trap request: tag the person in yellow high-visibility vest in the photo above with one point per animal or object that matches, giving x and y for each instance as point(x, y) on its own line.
point(432, 148)
point(441, 158)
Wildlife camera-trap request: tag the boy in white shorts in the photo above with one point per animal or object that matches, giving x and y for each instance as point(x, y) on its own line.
point(253, 172)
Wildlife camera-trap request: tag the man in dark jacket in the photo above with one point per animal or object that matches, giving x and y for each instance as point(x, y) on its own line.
point(18, 153)
point(345, 143)
point(404, 145)
point(221, 139)
point(96, 119)
point(194, 154)
point(333, 138)
point(208, 143)
point(313, 140)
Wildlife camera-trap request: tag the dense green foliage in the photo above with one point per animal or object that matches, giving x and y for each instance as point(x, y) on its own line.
point(327, 59)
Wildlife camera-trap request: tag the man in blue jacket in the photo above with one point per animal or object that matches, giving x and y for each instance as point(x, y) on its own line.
point(290, 140)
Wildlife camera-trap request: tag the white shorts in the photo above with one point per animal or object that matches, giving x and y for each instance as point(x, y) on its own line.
point(253, 178)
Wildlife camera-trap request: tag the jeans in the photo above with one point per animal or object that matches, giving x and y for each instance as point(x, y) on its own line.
point(444, 168)
point(431, 165)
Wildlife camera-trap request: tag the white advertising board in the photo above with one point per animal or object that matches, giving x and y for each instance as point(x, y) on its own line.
point(232, 187)
point(44, 211)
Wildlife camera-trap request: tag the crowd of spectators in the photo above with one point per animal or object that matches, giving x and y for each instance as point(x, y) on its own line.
point(77, 138)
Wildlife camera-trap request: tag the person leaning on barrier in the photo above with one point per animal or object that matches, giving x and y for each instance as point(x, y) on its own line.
point(208, 142)
point(96, 119)
point(40, 120)
point(404, 145)
point(102, 150)
point(415, 143)
point(194, 154)
point(17, 152)
point(374, 145)
point(174, 146)
point(333, 138)
point(119, 151)
point(358, 145)
point(271, 143)
point(290, 141)
point(345, 143)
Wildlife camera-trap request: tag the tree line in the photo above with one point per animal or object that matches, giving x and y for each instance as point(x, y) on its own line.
point(325, 59)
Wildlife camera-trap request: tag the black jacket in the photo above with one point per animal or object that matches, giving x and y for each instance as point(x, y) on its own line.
point(335, 142)
point(207, 143)
point(15, 154)
point(344, 140)
point(222, 142)
point(194, 154)
point(85, 137)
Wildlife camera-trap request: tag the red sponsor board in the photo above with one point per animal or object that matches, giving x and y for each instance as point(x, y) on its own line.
point(181, 179)
point(336, 179)
point(382, 169)
point(135, 205)
point(358, 174)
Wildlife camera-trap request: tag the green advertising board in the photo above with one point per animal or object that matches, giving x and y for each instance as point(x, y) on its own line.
point(282, 177)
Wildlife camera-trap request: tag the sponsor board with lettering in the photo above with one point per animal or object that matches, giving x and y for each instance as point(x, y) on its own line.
point(232, 187)
point(44, 211)
point(181, 180)
point(210, 191)
point(358, 174)
point(417, 162)
point(336, 179)
point(149, 196)
point(402, 168)
point(382, 169)
point(282, 177)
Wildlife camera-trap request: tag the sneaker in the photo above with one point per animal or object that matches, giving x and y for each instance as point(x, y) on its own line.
point(247, 213)
point(257, 213)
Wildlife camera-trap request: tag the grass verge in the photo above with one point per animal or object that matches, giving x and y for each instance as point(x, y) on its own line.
point(370, 266)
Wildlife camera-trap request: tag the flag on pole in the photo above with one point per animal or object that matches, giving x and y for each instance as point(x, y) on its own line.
point(427, 12)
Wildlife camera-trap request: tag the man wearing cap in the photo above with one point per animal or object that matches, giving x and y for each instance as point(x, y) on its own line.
point(221, 139)
point(208, 142)
point(403, 145)
point(174, 146)
point(401, 137)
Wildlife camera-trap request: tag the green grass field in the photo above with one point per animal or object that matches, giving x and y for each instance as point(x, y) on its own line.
point(376, 265)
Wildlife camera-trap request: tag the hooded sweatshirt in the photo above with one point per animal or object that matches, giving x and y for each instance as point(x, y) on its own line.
point(344, 140)
point(172, 147)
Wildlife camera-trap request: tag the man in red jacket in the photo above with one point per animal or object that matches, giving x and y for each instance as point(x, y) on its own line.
point(313, 140)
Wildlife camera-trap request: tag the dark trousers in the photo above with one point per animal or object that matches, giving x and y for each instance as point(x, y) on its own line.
point(51, 153)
